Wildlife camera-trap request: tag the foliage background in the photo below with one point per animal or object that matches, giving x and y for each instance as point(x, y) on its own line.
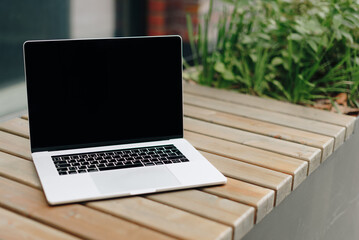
point(292, 50)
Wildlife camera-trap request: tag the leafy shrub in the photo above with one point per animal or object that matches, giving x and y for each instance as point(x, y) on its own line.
point(293, 50)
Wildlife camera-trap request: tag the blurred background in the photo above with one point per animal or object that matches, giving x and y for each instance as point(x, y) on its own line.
point(58, 19)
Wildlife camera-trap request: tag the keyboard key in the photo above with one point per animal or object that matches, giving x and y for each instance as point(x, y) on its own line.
point(61, 165)
point(119, 167)
point(92, 170)
point(128, 158)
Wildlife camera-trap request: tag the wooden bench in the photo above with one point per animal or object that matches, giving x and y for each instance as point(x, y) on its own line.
point(266, 148)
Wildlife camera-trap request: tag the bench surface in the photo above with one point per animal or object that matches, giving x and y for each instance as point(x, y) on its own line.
point(266, 149)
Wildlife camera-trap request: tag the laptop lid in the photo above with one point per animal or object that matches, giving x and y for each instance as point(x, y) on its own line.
point(97, 92)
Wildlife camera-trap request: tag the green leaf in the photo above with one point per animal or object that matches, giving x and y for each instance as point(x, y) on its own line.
point(220, 67)
point(347, 36)
point(228, 75)
point(277, 61)
point(313, 45)
point(295, 37)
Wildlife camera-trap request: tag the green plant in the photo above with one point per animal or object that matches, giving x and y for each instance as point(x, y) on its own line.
point(294, 50)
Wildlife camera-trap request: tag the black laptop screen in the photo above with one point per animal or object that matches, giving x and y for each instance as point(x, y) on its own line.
point(103, 91)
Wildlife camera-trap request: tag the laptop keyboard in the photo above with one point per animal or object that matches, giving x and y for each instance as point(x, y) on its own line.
point(117, 159)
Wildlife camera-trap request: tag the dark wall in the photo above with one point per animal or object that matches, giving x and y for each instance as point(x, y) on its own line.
point(24, 20)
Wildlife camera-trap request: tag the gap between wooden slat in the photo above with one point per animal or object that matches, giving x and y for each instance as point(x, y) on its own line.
point(302, 152)
point(326, 144)
point(15, 226)
point(274, 105)
point(279, 182)
point(280, 199)
point(283, 195)
point(262, 158)
point(193, 216)
point(279, 118)
point(30, 202)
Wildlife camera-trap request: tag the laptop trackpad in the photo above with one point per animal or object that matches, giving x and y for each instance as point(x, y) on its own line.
point(134, 180)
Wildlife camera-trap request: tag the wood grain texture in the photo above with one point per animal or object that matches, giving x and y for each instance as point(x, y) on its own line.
point(273, 117)
point(274, 105)
point(14, 227)
point(280, 182)
point(260, 198)
point(33, 181)
point(164, 218)
point(295, 167)
point(23, 171)
point(77, 219)
point(239, 216)
point(264, 128)
point(16, 126)
point(15, 145)
point(13, 167)
point(310, 154)
point(19, 169)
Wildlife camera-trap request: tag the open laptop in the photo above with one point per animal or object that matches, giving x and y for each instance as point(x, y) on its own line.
point(106, 118)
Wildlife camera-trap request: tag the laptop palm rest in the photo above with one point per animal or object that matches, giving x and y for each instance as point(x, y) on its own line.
point(133, 181)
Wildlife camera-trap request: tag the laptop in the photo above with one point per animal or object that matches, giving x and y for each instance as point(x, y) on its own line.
point(106, 118)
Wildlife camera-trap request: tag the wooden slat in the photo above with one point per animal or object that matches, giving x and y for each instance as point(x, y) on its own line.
point(77, 219)
point(239, 216)
point(14, 226)
point(278, 118)
point(268, 129)
point(309, 154)
point(12, 167)
point(295, 167)
point(163, 218)
point(18, 169)
point(280, 182)
point(260, 198)
point(16, 126)
point(275, 106)
point(15, 145)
